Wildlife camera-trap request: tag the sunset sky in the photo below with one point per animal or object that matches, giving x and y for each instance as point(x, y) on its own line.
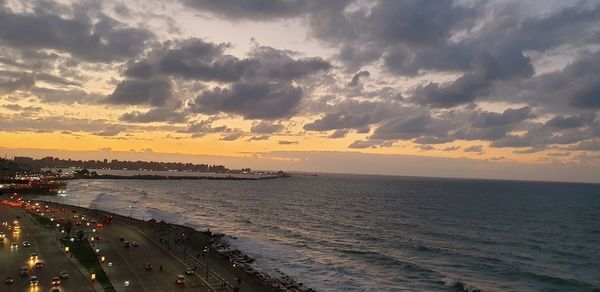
point(499, 84)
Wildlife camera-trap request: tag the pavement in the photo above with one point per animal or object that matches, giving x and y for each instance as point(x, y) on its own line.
point(43, 242)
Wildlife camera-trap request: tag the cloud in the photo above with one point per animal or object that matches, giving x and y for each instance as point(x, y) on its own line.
point(266, 128)
point(451, 148)
point(140, 92)
point(340, 133)
point(259, 138)
point(109, 131)
point(425, 147)
point(474, 149)
point(283, 142)
point(19, 108)
point(91, 36)
point(196, 59)
point(203, 128)
point(255, 10)
point(268, 101)
point(362, 144)
point(232, 136)
point(154, 115)
point(356, 78)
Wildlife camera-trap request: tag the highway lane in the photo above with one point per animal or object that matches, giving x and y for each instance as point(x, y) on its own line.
point(43, 242)
point(128, 263)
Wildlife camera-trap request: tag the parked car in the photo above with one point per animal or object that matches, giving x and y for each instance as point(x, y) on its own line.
point(121, 238)
point(64, 275)
point(135, 243)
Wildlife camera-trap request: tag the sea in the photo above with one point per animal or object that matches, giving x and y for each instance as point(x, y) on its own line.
point(384, 233)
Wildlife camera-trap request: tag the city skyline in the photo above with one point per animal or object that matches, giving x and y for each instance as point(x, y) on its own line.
point(489, 89)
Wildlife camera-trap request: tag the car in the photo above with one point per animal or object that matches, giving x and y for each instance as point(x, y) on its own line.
point(180, 279)
point(55, 289)
point(33, 256)
point(33, 281)
point(26, 244)
point(121, 238)
point(64, 275)
point(55, 281)
point(189, 271)
point(148, 267)
point(14, 245)
point(135, 243)
point(39, 265)
point(9, 280)
point(126, 243)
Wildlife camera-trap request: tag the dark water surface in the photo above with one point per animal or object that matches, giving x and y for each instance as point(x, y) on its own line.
point(375, 233)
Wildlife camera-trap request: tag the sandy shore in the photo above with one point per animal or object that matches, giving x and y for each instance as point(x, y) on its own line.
point(203, 248)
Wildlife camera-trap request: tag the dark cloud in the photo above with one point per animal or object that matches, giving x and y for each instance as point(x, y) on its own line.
point(232, 136)
point(266, 128)
point(425, 147)
point(203, 128)
point(340, 133)
point(562, 122)
point(283, 142)
point(252, 9)
point(404, 128)
point(451, 148)
point(19, 108)
point(138, 92)
point(356, 78)
point(362, 144)
point(259, 138)
point(266, 101)
point(196, 59)
point(155, 115)
point(109, 131)
point(93, 37)
point(24, 82)
point(475, 149)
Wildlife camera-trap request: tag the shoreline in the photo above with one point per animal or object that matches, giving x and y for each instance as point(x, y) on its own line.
point(190, 243)
point(177, 177)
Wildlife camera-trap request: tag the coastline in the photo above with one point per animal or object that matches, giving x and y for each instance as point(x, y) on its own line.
point(224, 263)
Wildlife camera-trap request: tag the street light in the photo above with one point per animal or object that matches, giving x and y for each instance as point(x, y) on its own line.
point(126, 285)
point(109, 268)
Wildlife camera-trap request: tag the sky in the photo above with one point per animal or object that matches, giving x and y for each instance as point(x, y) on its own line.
point(491, 89)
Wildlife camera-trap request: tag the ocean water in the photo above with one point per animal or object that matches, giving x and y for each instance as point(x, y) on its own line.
point(377, 233)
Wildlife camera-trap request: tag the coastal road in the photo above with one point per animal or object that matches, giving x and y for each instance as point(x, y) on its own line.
point(128, 263)
point(43, 242)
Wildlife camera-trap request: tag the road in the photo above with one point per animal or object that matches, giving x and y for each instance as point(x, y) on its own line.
point(43, 242)
point(128, 263)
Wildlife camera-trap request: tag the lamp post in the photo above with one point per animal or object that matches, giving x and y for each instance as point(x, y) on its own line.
point(109, 268)
point(126, 285)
